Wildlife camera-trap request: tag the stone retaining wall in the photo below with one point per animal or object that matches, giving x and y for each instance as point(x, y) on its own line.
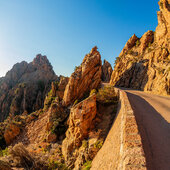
point(122, 149)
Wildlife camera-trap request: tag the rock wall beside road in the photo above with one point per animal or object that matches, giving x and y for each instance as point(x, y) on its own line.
point(144, 62)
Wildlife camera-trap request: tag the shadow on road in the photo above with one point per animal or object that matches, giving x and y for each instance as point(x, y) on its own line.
point(155, 133)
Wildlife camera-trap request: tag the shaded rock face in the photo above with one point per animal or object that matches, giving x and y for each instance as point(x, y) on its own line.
point(106, 71)
point(85, 77)
point(145, 63)
point(57, 113)
point(25, 86)
point(58, 89)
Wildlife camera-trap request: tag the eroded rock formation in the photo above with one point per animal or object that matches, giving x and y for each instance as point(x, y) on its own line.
point(88, 124)
point(106, 71)
point(11, 132)
point(80, 124)
point(86, 77)
point(144, 63)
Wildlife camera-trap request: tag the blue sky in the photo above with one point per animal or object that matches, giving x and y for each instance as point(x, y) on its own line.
point(66, 30)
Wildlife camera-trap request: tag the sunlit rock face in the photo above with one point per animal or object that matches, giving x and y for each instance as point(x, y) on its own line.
point(80, 123)
point(10, 133)
point(144, 63)
point(86, 77)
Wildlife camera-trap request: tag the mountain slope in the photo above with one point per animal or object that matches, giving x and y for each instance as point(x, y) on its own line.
point(25, 86)
point(144, 63)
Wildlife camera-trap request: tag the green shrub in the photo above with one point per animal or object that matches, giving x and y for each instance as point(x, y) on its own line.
point(58, 127)
point(131, 52)
point(17, 123)
point(4, 152)
point(98, 144)
point(85, 143)
point(49, 99)
point(149, 44)
point(55, 125)
point(87, 165)
point(16, 91)
point(76, 67)
point(160, 4)
point(93, 91)
point(160, 70)
point(117, 60)
point(53, 165)
point(41, 112)
point(137, 43)
point(76, 102)
point(149, 50)
point(22, 85)
point(106, 95)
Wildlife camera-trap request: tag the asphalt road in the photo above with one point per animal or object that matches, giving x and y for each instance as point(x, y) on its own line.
point(153, 118)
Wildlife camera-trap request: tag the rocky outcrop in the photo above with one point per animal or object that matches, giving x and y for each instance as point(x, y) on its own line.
point(144, 63)
point(85, 77)
point(56, 121)
point(88, 124)
point(25, 86)
point(11, 132)
point(106, 71)
point(162, 32)
point(131, 42)
point(145, 40)
point(59, 87)
point(80, 123)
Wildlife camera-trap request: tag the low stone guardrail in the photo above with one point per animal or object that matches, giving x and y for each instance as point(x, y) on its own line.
point(122, 149)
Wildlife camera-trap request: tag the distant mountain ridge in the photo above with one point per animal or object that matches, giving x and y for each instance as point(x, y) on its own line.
point(25, 86)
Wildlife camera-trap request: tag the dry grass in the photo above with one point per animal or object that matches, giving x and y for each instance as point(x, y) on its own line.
point(107, 95)
point(4, 165)
point(25, 159)
point(22, 155)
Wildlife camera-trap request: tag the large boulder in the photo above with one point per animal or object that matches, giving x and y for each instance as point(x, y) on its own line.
point(85, 78)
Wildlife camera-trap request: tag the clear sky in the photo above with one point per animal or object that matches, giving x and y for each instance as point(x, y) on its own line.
point(66, 30)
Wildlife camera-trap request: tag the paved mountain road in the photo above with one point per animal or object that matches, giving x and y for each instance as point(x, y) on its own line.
point(152, 113)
